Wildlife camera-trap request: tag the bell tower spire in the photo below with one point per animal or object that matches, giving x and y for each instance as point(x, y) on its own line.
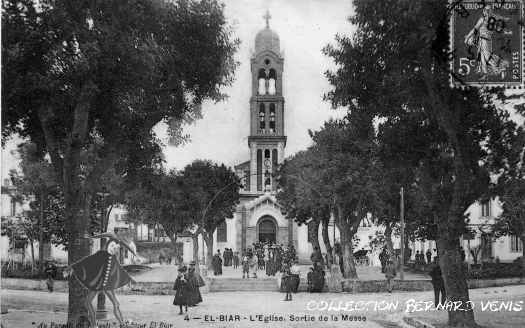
point(267, 138)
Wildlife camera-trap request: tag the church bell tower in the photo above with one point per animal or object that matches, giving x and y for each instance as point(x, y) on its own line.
point(267, 139)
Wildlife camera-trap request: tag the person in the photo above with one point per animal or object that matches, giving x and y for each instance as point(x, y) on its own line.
point(408, 255)
point(437, 282)
point(236, 260)
point(216, 263)
point(429, 256)
point(316, 279)
point(390, 273)
point(220, 262)
point(245, 266)
point(316, 256)
point(181, 290)
point(254, 262)
point(194, 282)
point(383, 258)
point(481, 37)
point(287, 281)
point(101, 273)
point(50, 271)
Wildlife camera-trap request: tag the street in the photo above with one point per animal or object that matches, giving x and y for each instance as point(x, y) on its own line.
point(238, 309)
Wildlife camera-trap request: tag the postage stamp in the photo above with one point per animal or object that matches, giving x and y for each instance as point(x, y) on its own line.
point(486, 43)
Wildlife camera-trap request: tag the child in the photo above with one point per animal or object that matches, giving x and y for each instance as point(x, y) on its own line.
point(181, 295)
point(287, 281)
point(245, 266)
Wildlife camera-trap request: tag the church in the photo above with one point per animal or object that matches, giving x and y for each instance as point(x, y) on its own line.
point(259, 217)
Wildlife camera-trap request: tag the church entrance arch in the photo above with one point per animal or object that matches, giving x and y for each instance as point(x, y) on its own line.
point(267, 229)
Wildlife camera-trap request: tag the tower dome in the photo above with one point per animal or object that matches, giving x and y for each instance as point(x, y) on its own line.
point(267, 39)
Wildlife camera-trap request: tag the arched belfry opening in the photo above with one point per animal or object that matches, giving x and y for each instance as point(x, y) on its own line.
point(267, 229)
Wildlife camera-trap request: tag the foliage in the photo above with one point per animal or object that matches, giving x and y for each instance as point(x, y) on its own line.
point(89, 81)
point(395, 69)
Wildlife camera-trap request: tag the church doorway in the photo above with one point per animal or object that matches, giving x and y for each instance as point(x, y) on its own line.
point(267, 229)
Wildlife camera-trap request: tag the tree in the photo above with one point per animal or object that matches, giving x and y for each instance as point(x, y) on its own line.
point(211, 195)
point(97, 77)
point(512, 195)
point(343, 175)
point(303, 202)
point(395, 68)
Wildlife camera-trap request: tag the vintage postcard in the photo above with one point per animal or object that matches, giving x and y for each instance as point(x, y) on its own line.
point(262, 163)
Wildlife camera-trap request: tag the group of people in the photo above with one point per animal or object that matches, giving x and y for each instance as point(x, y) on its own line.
point(186, 288)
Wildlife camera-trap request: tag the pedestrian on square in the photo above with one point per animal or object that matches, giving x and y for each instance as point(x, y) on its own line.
point(437, 282)
point(181, 290)
point(236, 260)
point(254, 263)
point(50, 272)
point(245, 266)
point(390, 273)
point(429, 256)
point(383, 259)
point(287, 281)
point(194, 282)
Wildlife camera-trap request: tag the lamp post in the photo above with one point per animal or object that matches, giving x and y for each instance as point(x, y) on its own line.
point(102, 313)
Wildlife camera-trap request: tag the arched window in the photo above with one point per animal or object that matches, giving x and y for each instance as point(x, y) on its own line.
point(267, 153)
point(261, 78)
point(262, 117)
point(272, 118)
point(271, 81)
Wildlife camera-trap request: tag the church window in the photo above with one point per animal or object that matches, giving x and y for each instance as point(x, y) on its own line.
point(262, 117)
point(272, 118)
point(485, 209)
point(267, 153)
point(267, 62)
point(274, 165)
point(271, 82)
point(259, 169)
point(222, 232)
point(261, 78)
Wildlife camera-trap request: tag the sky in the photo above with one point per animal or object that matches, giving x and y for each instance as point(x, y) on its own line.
point(304, 28)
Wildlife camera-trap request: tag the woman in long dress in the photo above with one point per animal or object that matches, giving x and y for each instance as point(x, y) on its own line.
point(181, 288)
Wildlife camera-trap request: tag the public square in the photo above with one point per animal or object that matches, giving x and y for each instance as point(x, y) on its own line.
point(29, 308)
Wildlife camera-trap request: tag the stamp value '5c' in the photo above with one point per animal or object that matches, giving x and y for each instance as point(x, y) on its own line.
point(486, 40)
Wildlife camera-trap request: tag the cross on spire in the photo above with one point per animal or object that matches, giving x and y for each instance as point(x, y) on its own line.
point(267, 18)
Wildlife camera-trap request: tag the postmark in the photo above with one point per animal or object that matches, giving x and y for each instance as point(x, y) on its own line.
point(486, 40)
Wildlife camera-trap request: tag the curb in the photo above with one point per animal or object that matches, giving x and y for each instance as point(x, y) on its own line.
point(417, 323)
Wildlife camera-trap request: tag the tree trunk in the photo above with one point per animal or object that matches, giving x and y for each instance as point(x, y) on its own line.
point(388, 239)
point(195, 239)
point(77, 214)
point(523, 255)
point(41, 235)
point(33, 257)
point(455, 282)
point(326, 240)
point(348, 252)
point(208, 238)
point(313, 233)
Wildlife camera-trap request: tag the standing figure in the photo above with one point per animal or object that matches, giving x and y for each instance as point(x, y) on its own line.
point(182, 291)
point(429, 256)
point(437, 282)
point(390, 273)
point(236, 260)
point(194, 282)
point(287, 281)
point(101, 272)
point(245, 266)
point(50, 271)
point(254, 264)
point(383, 258)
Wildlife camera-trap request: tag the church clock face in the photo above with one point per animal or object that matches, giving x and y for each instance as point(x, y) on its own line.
point(267, 163)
